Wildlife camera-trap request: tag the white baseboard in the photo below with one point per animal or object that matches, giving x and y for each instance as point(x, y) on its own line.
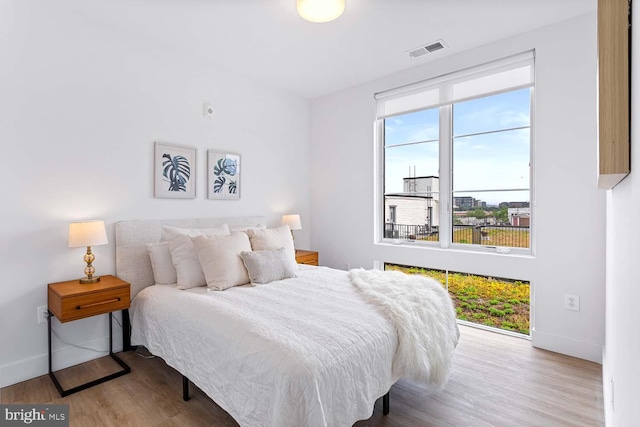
point(564, 345)
point(607, 390)
point(13, 373)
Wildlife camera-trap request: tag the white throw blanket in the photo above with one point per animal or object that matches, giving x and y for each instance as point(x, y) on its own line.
point(423, 315)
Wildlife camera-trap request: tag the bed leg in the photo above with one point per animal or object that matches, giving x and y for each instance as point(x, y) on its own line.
point(385, 404)
point(185, 388)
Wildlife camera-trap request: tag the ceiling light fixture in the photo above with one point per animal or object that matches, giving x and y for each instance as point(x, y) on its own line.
point(320, 10)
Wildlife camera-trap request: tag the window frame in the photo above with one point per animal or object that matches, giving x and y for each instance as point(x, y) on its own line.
point(446, 143)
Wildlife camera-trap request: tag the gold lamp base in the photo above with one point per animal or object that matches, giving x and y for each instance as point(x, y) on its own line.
point(89, 257)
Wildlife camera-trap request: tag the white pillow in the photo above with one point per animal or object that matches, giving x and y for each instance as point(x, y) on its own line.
point(274, 238)
point(220, 259)
point(164, 272)
point(185, 259)
point(267, 266)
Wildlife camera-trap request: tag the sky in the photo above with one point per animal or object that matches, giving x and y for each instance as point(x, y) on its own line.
point(494, 161)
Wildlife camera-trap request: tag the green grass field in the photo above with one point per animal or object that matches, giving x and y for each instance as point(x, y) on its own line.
point(488, 301)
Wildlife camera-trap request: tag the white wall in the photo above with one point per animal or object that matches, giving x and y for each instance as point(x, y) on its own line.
point(81, 104)
point(569, 255)
point(622, 346)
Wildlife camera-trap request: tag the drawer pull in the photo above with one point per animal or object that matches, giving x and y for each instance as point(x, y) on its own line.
point(80, 307)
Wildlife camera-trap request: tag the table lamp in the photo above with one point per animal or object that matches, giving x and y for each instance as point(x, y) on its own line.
point(88, 233)
point(293, 221)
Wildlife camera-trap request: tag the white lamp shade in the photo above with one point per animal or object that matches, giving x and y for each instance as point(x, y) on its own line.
point(320, 10)
point(87, 233)
point(293, 221)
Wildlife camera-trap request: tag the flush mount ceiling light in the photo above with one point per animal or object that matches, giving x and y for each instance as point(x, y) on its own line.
point(320, 10)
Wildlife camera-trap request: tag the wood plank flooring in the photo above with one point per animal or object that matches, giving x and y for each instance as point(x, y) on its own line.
point(497, 380)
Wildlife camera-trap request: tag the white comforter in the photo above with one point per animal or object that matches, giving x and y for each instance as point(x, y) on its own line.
point(307, 351)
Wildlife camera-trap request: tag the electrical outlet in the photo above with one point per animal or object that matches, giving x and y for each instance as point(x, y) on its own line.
point(207, 110)
point(612, 394)
point(347, 266)
point(42, 313)
point(572, 302)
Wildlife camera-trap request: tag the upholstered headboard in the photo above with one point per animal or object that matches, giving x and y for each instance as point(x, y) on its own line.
point(132, 258)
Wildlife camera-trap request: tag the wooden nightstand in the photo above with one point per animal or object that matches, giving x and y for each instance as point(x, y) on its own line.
point(306, 257)
point(71, 300)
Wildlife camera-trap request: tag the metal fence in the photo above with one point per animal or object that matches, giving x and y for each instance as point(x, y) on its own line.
point(486, 235)
point(409, 232)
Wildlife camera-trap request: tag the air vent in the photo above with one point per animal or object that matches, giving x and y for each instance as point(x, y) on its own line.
point(428, 48)
point(433, 47)
point(418, 52)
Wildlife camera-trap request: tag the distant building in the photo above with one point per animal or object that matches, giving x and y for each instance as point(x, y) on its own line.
point(417, 205)
point(514, 205)
point(519, 217)
point(421, 184)
point(465, 203)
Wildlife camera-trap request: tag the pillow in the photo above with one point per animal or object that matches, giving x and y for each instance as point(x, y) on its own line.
point(267, 266)
point(164, 272)
point(274, 238)
point(185, 259)
point(220, 259)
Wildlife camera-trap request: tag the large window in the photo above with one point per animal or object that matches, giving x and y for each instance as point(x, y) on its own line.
point(456, 158)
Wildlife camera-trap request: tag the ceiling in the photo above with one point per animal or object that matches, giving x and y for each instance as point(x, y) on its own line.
point(267, 40)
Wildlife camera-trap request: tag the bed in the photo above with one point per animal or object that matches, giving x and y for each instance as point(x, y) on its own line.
point(304, 351)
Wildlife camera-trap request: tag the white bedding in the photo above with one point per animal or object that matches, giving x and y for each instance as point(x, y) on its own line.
point(306, 351)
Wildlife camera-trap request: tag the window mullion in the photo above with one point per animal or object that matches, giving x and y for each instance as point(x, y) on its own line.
point(445, 173)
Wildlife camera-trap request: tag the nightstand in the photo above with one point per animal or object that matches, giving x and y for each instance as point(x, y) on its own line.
point(70, 301)
point(306, 257)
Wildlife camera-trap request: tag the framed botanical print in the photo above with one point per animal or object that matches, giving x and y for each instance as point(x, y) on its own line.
point(174, 171)
point(223, 172)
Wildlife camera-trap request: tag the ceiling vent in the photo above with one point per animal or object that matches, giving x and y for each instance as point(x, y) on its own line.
point(428, 48)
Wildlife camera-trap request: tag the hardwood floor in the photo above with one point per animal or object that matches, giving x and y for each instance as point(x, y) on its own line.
point(497, 380)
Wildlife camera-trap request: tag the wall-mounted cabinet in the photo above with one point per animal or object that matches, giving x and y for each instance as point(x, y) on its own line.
point(613, 92)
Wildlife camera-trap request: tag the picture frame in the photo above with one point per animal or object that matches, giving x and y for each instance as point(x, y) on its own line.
point(223, 175)
point(175, 171)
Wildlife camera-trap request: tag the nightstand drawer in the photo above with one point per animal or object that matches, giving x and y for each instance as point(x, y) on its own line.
point(91, 305)
point(307, 257)
point(92, 300)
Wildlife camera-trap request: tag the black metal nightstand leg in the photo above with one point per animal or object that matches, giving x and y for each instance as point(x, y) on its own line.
point(49, 337)
point(185, 388)
point(110, 334)
point(51, 375)
point(63, 393)
point(126, 331)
